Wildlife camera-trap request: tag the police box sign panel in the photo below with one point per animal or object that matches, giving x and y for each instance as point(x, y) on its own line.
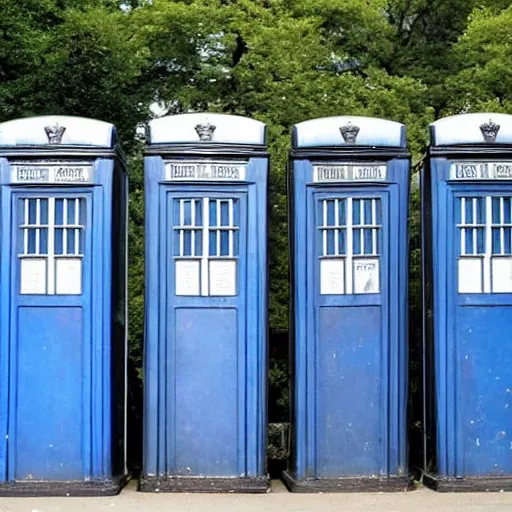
point(349, 172)
point(481, 171)
point(205, 171)
point(54, 173)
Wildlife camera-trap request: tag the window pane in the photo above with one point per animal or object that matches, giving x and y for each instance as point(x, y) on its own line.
point(224, 213)
point(213, 212)
point(469, 211)
point(70, 233)
point(213, 243)
point(199, 212)
point(357, 241)
point(480, 219)
point(330, 242)
point(508, 248)
point(176, 213)
point(507, 206)
point(187, 251)
point(31, 211)
point(176, 242)
point(368, 216)
point(44, 211)
point(31, 241)
point(378, 211)
point(496, 218)
point(342, 241)
point(198, 242)
point(469, 241)
point(481, 240)
point(236, 242)
point(59, 212)
point(236, 213)
point(81, 220)
point(187, 212)
point(356, 212)
point(71, 211)
point(342, 207)
point(59, 247)
point(81, 242)
point(43, 241)
point(368, 241)
point(330, 213)
point(224, 243)
point(496, 245)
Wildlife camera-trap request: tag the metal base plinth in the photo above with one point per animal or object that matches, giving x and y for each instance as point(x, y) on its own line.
point(63, 488)
point(346, 484)
point(468, 484)
point(204, 484)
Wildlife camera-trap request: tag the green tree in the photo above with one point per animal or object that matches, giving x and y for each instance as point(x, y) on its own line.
point(483, 80)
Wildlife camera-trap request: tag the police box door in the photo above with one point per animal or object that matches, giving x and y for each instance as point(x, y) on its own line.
point(481, 320)
point(50, 326)
point(206, 280)
point(349, 265)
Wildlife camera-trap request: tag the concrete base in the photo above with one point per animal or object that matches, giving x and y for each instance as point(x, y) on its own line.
point(63, 488)
point(468, 484)
point(346, 484)
point(204, 484)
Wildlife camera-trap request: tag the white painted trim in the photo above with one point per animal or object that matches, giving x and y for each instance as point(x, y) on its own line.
point(349, 267)
point(488, 244)
point(51, 246)
point(204, 277)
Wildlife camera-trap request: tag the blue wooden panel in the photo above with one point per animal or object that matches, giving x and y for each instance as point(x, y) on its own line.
point(485, 388)
point(58, 375)
point(4, 326)
point(350, 357)
point(468, 362)
point(49, 394)
point(206, 365)
point(349, 408)
point(205, 355)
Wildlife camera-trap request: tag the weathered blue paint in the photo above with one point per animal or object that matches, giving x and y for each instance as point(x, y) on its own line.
point(350, 349)
point(205, 355)
point(62, 354)
point(468, 360)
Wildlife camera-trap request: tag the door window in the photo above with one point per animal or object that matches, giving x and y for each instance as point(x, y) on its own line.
point(51, 245)
point(206, 246)
point(349, 231)
point(484, 227)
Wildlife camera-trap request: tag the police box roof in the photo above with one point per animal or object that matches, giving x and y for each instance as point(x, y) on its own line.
point(353, 131)
point(481, 128)
point(207, 128)
point(57, 131)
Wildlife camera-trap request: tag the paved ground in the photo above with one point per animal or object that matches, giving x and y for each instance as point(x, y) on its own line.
point(420, 500)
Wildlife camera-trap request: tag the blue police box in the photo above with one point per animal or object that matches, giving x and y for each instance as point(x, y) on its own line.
point(349, 182)
point(206, 304)
point(63, 317)
point(467, 230)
